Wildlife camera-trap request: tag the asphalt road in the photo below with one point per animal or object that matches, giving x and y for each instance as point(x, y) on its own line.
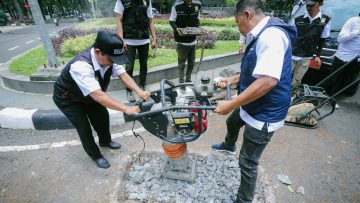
point(51, 166)
point(18, 41)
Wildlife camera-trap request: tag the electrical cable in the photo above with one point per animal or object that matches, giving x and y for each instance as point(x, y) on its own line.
point(138, 135)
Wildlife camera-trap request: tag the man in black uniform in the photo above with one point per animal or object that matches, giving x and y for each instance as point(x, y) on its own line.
point(185, 14)
point(313, 28)
point(80, 92)
point(134, 25)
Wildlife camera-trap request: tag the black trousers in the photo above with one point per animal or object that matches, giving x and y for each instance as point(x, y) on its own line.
point(343, 77)
point(143, 54)
point(254, 143)
point(83, 116)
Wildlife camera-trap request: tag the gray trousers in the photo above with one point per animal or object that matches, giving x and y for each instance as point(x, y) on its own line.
point(254, 143)
point(185, 53)
point(299, 69)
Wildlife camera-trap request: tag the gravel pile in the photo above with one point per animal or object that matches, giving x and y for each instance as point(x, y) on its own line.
point(217, 180)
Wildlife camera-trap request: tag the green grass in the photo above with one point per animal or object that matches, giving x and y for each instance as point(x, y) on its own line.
point(30, 62)
point(167, 56)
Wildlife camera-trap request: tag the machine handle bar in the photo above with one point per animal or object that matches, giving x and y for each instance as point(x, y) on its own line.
point(160, 110)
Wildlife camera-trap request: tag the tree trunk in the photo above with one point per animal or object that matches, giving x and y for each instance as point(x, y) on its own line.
point(18, 8)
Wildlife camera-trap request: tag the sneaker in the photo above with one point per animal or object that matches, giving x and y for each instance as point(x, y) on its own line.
point(222, 148)
point(142, 87)
point(337, 106)
point(130, 96)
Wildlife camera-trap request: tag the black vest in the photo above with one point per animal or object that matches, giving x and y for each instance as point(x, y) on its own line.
point(135, 20)
point(308, 35)
point(187, 16)
point(66, 88)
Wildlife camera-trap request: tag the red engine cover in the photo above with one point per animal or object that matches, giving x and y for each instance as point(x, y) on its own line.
point(204, 118)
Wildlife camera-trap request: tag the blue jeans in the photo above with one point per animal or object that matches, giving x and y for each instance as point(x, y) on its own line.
point(254, 143)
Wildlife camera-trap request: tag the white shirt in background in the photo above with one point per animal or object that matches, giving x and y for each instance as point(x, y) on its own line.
point(119, 8)
point(349, 40)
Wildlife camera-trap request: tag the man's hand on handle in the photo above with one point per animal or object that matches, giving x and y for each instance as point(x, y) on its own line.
point(318, 61)
point(132, 110)
point(223, 107)
point(143, 94)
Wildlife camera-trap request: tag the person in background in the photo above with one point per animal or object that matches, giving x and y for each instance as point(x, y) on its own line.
point(265, 90)
point(313, 28)
point(348, 49)
point(80, 92)
point(135, 24)
point(185, 13)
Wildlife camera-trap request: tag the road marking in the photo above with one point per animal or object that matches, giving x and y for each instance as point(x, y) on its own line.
point(29, 42)
point(13, 48)
point(50, 145)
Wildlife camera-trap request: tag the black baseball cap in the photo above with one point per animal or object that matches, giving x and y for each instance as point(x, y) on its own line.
point(112, 45)
point(311, 2)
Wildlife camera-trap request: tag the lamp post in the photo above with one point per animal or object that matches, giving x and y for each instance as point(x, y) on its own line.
point(44, 35)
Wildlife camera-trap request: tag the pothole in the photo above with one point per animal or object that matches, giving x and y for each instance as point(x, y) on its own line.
point(217, 180)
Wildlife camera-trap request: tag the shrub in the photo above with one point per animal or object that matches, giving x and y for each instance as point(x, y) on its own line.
point(71, 47)
point(229, 34)
point(68, 33)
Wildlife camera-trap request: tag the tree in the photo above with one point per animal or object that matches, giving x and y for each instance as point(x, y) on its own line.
point(280, 5)
point(230, 2)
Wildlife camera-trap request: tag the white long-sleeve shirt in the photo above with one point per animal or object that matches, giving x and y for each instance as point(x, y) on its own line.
point(84, 75)
point(349, 40)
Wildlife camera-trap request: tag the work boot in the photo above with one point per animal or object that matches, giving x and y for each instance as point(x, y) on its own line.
point(223, 148)
point(130, 96)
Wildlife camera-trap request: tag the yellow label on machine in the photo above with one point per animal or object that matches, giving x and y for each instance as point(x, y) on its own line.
point(182, 120)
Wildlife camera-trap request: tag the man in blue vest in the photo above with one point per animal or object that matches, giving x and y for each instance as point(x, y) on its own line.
point(135, 24)
point(265, 90)
point(185, 13)
point(80, 92)
point(313, 28)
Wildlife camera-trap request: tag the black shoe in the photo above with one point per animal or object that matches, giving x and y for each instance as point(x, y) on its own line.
point(112, 145)
point(102, 163)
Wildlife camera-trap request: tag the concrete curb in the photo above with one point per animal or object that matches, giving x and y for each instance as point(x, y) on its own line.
point(38, 119)
point(169, 71)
